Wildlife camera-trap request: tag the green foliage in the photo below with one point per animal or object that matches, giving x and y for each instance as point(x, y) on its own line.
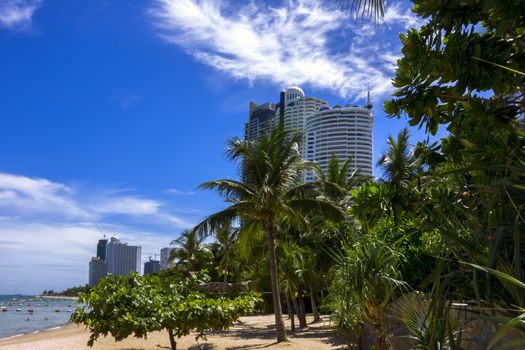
point(366, 280)
point(135, 305)
point(268, 194)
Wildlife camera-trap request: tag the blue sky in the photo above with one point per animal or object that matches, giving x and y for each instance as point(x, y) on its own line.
point(113, 112)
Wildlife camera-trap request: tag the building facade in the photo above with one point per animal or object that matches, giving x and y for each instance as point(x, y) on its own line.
point(121, 259)
point(261, 120)
point(101, 248)
point(97, 271)
point(151, 266)
point(343, 131)
point(164, 258)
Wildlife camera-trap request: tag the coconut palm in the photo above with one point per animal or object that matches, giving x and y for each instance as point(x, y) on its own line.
point(227, 242)
point(398, 162)
point(362, 8)
point(189, 251)
point(269, 191)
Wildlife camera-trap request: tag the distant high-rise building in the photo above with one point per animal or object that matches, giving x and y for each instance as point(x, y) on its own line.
point(164, 257)
point(97, 270)
point(343, 131)
point(121, 258)
point(151, 266)
point(261, 120)
point(101, 248)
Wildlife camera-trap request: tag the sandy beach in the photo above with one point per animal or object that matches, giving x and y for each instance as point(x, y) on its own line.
point(253, 332)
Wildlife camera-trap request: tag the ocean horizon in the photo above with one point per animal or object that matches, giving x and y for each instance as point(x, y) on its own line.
point(25, 314)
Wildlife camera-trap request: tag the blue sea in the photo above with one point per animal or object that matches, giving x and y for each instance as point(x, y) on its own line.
point(46, 314)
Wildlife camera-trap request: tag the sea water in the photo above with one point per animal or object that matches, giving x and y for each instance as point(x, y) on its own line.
point(47, 314)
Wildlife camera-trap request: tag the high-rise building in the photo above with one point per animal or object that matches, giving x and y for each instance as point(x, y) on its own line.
point(261, 120)
point(343, 131)
point(151, 266)
point(97, 270)
point(101, 248)
point(164, 258)
point(121, 258)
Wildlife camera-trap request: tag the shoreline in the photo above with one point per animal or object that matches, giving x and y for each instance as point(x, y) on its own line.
point(253, 332)
point(62, 297)
point(38, 331)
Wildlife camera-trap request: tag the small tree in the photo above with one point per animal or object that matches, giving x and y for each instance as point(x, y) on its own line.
point(135, 305)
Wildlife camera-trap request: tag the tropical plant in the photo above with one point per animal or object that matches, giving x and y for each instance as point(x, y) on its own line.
point(370, 268)
point(190, 252)
point(269, 191)
point(135, 305)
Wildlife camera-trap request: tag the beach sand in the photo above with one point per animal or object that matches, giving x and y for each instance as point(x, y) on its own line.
point(254, 332)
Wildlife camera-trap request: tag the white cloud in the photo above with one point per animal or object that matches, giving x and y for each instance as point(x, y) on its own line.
point(39, 256)
point(298, 43)
point(41, 199)
point(38, 196)
point(17, 13)
point(128, 206)
point(48, 230)
point(180, 192)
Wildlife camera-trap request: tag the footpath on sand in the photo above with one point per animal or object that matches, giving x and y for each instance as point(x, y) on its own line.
point(253, 332)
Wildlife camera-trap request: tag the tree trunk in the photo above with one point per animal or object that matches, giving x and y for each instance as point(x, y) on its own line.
point(297, 311)
point(172, 340)
point(290, 311)
point(302, 313)
point(315, 311)
point(226, 273)
point(279, 323)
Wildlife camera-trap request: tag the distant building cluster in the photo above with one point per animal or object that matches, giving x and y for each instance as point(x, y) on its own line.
point(119, 259)
point(345, 131)
point(114, 257)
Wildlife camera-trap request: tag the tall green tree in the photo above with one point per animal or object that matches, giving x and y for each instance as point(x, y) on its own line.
point(190, 251)
point(268, 191)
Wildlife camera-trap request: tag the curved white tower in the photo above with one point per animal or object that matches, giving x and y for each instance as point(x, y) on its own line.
point(345, 132)
point(297, 109)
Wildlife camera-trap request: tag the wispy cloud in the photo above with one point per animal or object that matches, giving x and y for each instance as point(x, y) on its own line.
point(42, 199)
point(17, 14)
point(300, 42)
point(43, 222)
point(180, 192)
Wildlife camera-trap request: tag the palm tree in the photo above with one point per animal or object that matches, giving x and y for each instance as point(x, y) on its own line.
point(362, 8)
point(398, 162)
point(189, 250)
point(227, 242)
point(269, 191)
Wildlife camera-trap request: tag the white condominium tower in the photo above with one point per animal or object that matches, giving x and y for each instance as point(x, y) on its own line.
point(164, 258)
point(121, 258)
point(343, 131)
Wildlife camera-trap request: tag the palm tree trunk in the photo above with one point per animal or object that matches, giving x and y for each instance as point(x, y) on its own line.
point(290, 311)
point(279, 323)
point(226, 273)
point(315, 311)
point(302, 313)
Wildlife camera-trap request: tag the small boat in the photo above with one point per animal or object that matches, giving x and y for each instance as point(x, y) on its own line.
point(18, 310)
point(57, 310)
point(30, 311)
point(3, 310)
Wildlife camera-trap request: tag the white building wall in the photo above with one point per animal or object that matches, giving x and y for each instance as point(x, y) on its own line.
point(164, 257)
point(345, 132)
point(121, 259)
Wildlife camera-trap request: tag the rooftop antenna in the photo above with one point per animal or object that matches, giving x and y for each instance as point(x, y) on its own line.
point(368, 103)
point(101, 231)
